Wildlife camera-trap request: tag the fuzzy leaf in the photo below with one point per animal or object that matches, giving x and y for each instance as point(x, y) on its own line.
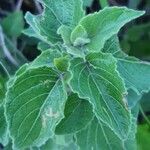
point(130, 68)
point(46, 58)
point(98, 136)
point(97, 80)
point(34, 106)
point(136, 74)
point(75, 108)
point(100, 26)
point(47, 24)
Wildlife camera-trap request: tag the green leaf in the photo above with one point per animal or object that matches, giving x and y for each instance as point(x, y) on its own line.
point(130, 68)
point(3, 128)
point(97, 80)
point(100, 26)
point(61, 63)
point(13, 24)
point(34, 106)
point(79, 36)
point(72, 11)
point(133, 98)
point(42, 46)
point(59, 143)
point(98, 136)
point(47, 24)
point(46, 58)
point(78, 113)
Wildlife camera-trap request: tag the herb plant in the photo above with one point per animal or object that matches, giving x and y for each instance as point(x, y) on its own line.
point(81, 91)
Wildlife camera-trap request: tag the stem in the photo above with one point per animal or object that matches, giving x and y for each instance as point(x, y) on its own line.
point(103, 3)
point(38, 6)
point(19, 4)
point(144, 116)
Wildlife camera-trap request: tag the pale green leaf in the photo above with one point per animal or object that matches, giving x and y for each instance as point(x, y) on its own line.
point(46, 58)
point(79, 36)
point(78, 113)
point(65, 33)
point(56, 13)
point(97, 80)
point(42, 46)
point(130, 68)
point(98, 136)
point(101, 25)
point(133, 98)
point(136, 73)
point(34, 106)
point(62, 142)
point(67, 12)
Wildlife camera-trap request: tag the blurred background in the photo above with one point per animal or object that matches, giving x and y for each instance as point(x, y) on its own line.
point(17, 49)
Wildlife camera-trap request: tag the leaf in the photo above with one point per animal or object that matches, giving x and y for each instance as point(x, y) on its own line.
point(78, 113)
point(97, 81)
point(98, 136)
point(13, 24)
point(3, 128)
point(130, 68)
point(101, 25)
point(47, 24)
point(133, 98)
point(46, 58)
point(34, 106)
point(59, 143)
point(43, 46)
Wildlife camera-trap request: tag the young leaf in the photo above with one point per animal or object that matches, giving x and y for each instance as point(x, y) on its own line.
point(104, 24)
point(97, 80)
point(34, 106)
point(47, 24)
point(46, 58)
point(78, 113)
